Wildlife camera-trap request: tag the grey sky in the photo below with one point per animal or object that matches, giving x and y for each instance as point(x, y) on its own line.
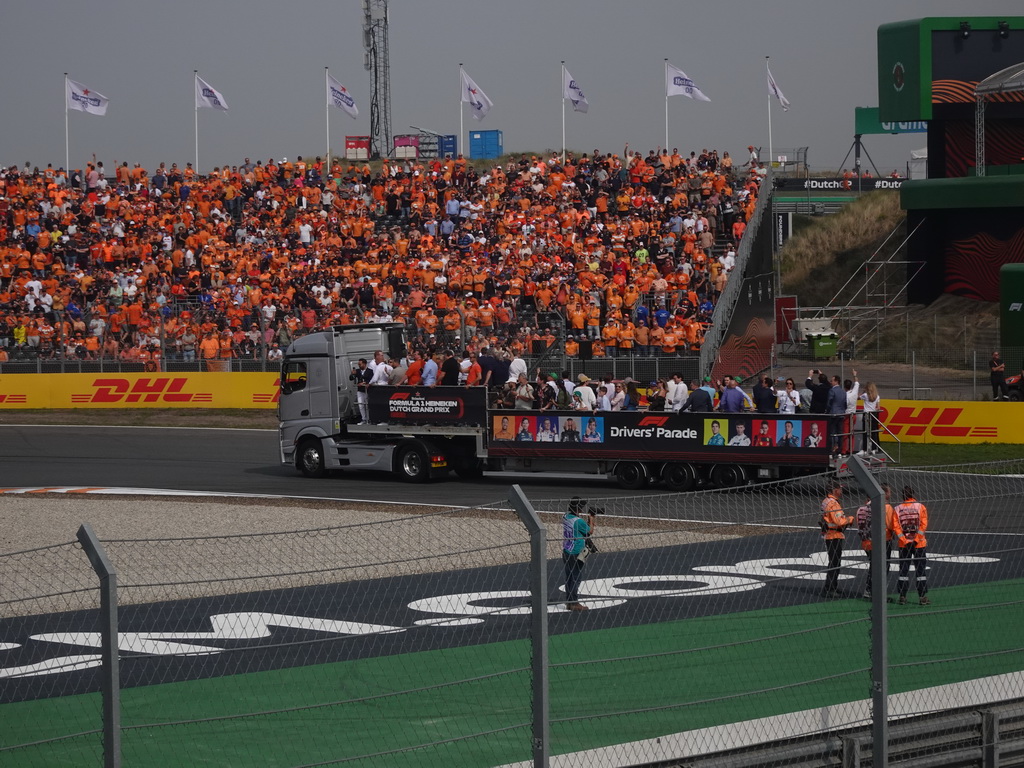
point(268, 60)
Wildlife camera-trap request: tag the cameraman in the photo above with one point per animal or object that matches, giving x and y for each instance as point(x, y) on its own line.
point(362, 376)
point(575, 532)
point(833, 522)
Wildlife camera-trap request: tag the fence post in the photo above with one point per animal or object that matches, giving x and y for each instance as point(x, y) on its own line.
point(109, 650)
point(879, 623)
point(990, 739)
point(913, 373)
point(538, 622)
point(974, 378)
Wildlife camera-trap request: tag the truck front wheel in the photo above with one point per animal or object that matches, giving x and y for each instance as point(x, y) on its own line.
point(311, 458)
point(412, 465)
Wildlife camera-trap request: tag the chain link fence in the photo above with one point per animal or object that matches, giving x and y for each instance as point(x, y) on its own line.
point(443, 637)
point(921, 374)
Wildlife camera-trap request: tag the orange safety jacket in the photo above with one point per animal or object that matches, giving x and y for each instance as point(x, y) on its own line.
point(833, 521)
point(913, 516)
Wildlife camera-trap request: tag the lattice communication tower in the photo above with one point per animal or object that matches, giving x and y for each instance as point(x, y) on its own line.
point(376, 60)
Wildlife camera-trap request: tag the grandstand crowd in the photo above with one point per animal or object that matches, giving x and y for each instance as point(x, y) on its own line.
point(624, 254)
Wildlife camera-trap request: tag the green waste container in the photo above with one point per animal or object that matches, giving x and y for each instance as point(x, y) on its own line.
point(823, 346)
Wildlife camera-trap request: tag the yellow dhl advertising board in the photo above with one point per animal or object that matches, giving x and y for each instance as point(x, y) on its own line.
point(139, 390)
point(951, 422)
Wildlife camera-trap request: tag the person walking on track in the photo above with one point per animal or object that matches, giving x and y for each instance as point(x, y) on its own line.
point(892, 530)
point(833, 522)
point(913, 518)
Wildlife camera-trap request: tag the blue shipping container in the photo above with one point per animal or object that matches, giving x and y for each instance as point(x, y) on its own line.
point(447, 145)
point(485, 145)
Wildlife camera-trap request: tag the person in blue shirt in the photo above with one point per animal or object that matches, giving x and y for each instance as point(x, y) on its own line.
point(429, 376)
point(733, 399)
point(575, 531)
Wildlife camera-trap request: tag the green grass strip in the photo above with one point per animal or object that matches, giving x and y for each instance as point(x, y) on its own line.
point(607, 687)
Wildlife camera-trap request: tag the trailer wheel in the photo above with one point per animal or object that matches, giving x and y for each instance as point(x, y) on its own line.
point(631, 475)
point(679, 477)
point(412, 464)
point(310, 458)
point(728, 475)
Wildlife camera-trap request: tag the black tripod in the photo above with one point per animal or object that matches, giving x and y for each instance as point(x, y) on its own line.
point(856, 148)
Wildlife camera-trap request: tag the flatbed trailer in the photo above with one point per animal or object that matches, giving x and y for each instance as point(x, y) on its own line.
point(426, 433)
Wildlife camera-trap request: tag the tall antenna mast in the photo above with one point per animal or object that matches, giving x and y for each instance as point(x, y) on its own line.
point(377, 61)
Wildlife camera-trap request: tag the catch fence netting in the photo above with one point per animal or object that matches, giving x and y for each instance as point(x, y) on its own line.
point(406, 637)
point(713, 636)
point(42, 591)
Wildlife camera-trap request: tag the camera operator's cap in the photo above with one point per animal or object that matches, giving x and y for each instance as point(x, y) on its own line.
point(577, 504)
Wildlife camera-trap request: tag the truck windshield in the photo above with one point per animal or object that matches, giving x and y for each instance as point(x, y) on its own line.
point(293, 377)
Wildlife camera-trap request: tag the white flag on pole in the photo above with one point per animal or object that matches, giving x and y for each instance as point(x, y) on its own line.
point(773, 89)
point(85, 99)
point(571, 91)
point(476, 98)
point(338, 96)
point(208, 96)
point(677, 83)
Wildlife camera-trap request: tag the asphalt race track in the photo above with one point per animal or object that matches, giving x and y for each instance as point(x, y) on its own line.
point(229, 461)
point(246, 461)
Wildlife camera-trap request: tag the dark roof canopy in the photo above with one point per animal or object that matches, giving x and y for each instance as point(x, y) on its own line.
point(1009, 80)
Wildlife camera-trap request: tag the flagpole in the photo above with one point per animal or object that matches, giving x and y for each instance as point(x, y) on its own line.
point(770, 155)
point(666, 105)
point(562, 86)
point(67, 144)
point(464, 147)
point(195, 80)
point(327, 112)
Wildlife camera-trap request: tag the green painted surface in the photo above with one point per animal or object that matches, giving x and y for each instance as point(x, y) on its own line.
point(907, 46)
point(658, 679)
point(977, 192)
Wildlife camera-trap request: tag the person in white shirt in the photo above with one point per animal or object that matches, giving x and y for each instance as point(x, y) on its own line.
point(854, 421)
point(516, 368)
point(382, 373)
point(676, 393)
point(872, 406)
point(789, 398)
point(587, 397)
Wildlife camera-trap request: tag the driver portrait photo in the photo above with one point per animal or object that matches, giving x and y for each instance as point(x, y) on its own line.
point(790, 437)
point(503, 428)
point(547, 432)
point(713, 432)
point(814, 437)
point(741, 438)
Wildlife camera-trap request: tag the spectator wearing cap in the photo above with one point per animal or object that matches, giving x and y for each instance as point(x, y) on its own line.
point(587, 396)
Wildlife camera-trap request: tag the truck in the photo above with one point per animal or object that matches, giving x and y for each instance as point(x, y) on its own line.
point(425, 433)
